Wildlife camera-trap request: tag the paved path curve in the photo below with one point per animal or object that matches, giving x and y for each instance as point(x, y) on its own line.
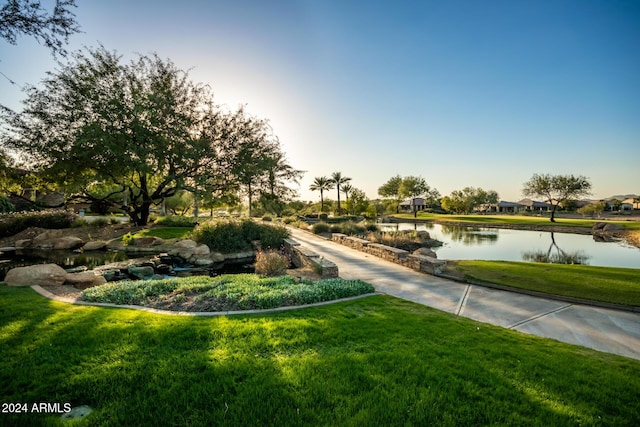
point(601, 329)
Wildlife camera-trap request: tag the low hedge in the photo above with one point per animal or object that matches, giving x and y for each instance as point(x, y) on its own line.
point(11, 224)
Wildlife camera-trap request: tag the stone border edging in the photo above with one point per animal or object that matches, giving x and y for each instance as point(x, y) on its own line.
point(58, 298)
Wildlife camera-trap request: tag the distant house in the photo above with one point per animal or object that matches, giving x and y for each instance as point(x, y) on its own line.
point(631, 203)
point(413, 205)
point(510, 207)
point(533, 206)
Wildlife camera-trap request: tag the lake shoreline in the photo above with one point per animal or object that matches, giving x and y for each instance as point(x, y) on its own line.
point(631, 237)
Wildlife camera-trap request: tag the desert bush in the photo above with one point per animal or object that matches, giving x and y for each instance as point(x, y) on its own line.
point(349, 228)
point(231, 236)
point(289, 219)
point(370, 226)
point(14, 223)
point(271, 263)
point(320, 227)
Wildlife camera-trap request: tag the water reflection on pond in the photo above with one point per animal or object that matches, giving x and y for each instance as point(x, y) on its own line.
point(65, 259)
point(523, 245)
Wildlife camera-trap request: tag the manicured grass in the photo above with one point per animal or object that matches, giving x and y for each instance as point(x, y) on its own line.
point(517, 220)
point(375, 361)
point(165, 232)
point(606, 284)
point(229, 292)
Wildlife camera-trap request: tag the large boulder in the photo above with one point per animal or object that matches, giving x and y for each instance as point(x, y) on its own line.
point(144, 272)
point(40, 274)
point(84, 280)
point(95, 245)
point(184, 244)
point(425, 252)
point(55, 239)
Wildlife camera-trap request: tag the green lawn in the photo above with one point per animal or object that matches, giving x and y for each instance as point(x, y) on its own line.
point(606, 284)
point(165, 232)
point(517, 220)
point(378, 361)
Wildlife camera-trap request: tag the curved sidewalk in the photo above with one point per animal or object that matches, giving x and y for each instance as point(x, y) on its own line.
point(602, 329)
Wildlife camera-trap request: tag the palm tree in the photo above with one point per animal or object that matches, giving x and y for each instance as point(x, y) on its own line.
point(321, 183)
point(337, 179)
point(346, 189)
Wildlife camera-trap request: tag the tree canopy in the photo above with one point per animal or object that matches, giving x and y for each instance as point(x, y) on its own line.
point(322, 184)
point(28, 17)
point(337, 179)
point(145, 129)
point(468, 199)
point(399, 188)
point(557, 188)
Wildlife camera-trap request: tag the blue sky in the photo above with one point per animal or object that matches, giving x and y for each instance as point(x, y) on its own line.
point(462, 93)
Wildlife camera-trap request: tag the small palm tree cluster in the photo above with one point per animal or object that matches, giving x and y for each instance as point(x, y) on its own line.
point(322, 183)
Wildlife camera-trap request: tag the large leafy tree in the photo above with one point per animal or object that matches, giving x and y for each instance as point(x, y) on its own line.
point(469, 198)
point(555, 189)
point(257, 162)
point(416, 186)
point(321, 184)
point(28, 17)
point(337, 179)
point(391, 189)
point(143, 127)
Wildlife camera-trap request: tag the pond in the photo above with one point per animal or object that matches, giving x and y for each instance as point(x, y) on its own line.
point(478, 243)
point(70, 260)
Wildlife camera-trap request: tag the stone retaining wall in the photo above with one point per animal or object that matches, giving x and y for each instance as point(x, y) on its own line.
point(422, 263)
point(303, 257)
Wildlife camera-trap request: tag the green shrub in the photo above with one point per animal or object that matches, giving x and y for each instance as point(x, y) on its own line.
point(289, 219)
point(320, 227)
point(6, 206)
point(233, 236)
point(267, 218)
point(323, 217)
point(11, 224)
point(101, 207)
point(100, 222)
point(271, 263)
point(79, 222)
point(127, 239)
point(349, 228)
point(176, 221)
point(370, 226)
point(336, 228)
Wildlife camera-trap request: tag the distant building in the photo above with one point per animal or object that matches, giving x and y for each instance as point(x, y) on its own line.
point(413, 205)
point(533, 206)
point(510, 207)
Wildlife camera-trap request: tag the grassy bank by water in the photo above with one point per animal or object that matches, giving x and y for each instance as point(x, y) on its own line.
point(375, 361)
point(605, 284)
point(517, 220)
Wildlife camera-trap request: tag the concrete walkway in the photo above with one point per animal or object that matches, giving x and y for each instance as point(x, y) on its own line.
point(601, 329)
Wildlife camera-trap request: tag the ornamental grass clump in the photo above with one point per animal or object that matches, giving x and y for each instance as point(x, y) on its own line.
point(271, 263)
point(320, 228)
